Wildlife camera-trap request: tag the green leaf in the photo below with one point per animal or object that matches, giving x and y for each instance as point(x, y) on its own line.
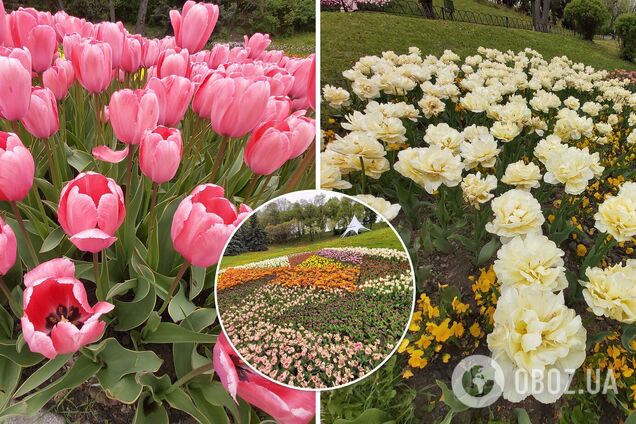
point(134, 313)
point(184, 355)
point(215, 394)
point(172, 333)
point(150, 412)
point(79, 160)
point(631, 419)
point(180, 307)
point(522, 416)
point(121, 288)
point(628, 336)
point(487, 251)
point(198, 281)
point(10, 372)
point(370, 416)
point(25, 358)
point(53, 240)
point(180, 400)
point(450, 399)
point(42, 374)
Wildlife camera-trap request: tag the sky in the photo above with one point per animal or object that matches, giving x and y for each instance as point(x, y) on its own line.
point(310, 194)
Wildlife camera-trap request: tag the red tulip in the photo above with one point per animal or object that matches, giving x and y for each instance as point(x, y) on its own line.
point(57, 316)
point(93, 63)
point(174, 94)
point(257, 44)
point(160, 154)
point(173, 62)
point(303, 132)
point(8, 248)
point(113, 34)
point(268, 148)
point(131, 54)
point(42, 43)
point(285, 405)
point(203, 224)
point(131, 113)
point(15, 89)
point(90, 211)
point(194, 25)
point(59, 78)
point(17, 168)
point(42, 120)
point(237, 105)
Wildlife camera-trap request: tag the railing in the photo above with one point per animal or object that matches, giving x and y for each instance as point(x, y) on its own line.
point(414, 8)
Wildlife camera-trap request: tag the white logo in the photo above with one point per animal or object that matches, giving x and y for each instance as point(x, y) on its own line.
point(477, 381)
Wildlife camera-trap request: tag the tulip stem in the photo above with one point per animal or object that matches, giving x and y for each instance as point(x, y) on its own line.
point(258, 195)
point(173, 286)
point(15, 306)
point(98, 286)
point(252, 186)
point(219, 158)
point(293, 182)
point(52, 169)
point(129, 174)
point(151, 220)
point(189, 376)
point(27, 239)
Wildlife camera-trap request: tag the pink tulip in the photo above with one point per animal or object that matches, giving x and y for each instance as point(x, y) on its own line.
point(203, 224)
point(131, 54)
point(174, 94)
point(69, 42)
point(268, 148)
point(42, 120)
point(281, 82)
point(42, 43)
point(90, 211)
point(59, 78)
point(218, 55)
point(65, 24)
point(20, 23)
point(4, 30)
point(311, 85)
point(113, 34)
point(17, 168)
point(301, 69)
point(203, 98)
point(133, 112)
point(303, 133)
point(15, 89)
point(149, 52)
point(257, 44)
point(276, 57)
point(57, 316)
point(285, 405)
point(174, 62)
point(194, 25)
point(93, 63)
point(237, 105)
point(8, 248)
point(23, 55)
point(278, 108)
point(160, 154)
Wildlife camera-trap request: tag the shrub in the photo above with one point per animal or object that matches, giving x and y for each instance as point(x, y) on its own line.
point(626, 30)
point(588, 16)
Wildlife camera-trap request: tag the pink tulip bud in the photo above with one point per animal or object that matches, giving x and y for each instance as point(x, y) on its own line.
point(160, 154)
point(57, 316)
point(65, 24)
point(284, 404)
point(218, 55)
point(257, 44)
point(280, 81)
point(59, 78)
point(173, 62)
point(149, 52)
point(194, 25)
point(113, 34)
point(300, 69)
point(268, 147)
point(278, 108)
point(90, 211)
point(131, 54)
point(303, 133)
point(42, 43)
point(69, 41)
point(203, 224)
point(20, 23)
point(276, 57)
point(131, 112)
point(174, 94)
point(42, 120)
point(17, 168)
point(202, 101)
point(237, 105)
point(8, 248)
point(93, 64)
point(15, 89)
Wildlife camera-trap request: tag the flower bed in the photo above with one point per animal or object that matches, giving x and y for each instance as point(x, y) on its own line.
point(316, 324)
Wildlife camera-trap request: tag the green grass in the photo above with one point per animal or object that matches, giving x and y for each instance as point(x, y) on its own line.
point(300, 44)
point(345, 37)
point(480, 6)
point(381, 237)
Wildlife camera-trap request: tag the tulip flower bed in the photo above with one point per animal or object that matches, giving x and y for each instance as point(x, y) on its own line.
point(317, 323)
point(515, 169)
point(125, 165)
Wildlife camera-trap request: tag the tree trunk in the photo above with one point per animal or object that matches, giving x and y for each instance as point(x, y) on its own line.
point(141, 17)
point(111, 7)
point(60, 4)
point(540, 15)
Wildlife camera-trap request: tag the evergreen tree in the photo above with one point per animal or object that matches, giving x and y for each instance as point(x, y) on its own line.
point(237, 245)
point(256, 237)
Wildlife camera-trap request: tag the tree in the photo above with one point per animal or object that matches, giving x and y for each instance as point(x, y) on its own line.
point(626, 31)
point(255, 237)
point(369, 218)
point(236, 246)
point(588, 16)
point(541, 15)
point(140, 27)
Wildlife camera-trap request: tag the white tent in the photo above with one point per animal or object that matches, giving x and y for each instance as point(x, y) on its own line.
point(354, 227)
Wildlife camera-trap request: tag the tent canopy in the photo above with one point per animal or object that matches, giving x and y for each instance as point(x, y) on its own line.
point(354, 227)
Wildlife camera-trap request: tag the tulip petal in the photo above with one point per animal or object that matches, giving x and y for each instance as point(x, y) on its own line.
point(65, 337)
point(224, 366)
point(92, 240)
point(37, 341)
point(91, 332)
point(56, 268)
point(106, 154)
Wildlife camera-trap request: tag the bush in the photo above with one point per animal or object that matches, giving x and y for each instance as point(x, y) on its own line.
point(588, 16)
point(626, 30)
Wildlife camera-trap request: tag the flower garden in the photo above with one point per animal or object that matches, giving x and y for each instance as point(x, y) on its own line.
point(123, 162)
point(516, 182)
point(320, 318)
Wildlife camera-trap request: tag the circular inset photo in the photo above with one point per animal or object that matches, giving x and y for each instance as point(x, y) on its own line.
point(315, 290)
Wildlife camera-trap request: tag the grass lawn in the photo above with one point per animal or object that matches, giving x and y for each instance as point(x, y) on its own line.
point(380, 237)
point(345, 37)
point(480, 6)
point(300, 44)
